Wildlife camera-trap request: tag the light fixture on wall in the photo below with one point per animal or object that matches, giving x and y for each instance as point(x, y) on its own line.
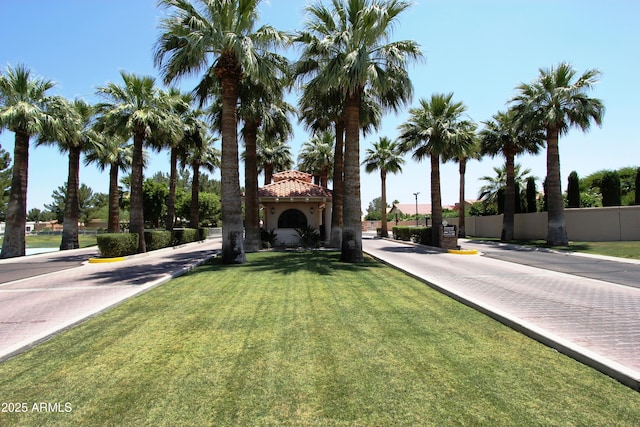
point(272, 211)
point(311, 210)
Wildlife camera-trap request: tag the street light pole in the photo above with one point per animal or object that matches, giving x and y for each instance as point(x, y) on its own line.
point(416, 194)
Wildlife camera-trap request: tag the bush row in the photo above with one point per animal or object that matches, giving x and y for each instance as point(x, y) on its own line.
point(413, 234)
point(121, 244)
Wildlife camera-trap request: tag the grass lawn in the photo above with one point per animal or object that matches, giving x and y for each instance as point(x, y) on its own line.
point(53, 241)
point(621, 249)
point(297, 338)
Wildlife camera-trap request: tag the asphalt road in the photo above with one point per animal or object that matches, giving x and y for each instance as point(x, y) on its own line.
point(35, 265)
point(623, 272)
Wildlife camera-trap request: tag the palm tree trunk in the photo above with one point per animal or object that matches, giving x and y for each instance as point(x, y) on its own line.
point(136, 214)
point(268, 173)
point(171, 199)
point(194, 207)
point(251, 205)
point(231, 200)
point(556, 230)
point(436, 200)
point(509, 199)
point(13, 244)
point(338, 186)
point(383, 225)
point(462, 168)
point(114, 207)
point(71, 205)
point(352, 228)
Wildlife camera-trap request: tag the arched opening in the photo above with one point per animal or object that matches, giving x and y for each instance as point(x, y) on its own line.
point(292, 218)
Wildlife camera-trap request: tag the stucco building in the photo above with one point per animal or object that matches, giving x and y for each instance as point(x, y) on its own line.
point(292, 201)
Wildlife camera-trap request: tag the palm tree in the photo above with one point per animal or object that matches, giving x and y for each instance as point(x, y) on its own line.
point(136, 109)
point(436, 129)
point(180, 104)
point(114, 153)
point(493, 192)
point(23, 110)
point(472, 151)
point(261, 104)
point(320, 108)
point(316, 157)
point(273, 155)
point(198, 152)
point(554, 102)
point(505, 135)
point(347, 48)
point(219, 37)
point(385, 157)
point(74, 136)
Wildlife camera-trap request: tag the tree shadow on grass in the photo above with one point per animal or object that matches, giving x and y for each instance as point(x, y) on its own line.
point(320, 262)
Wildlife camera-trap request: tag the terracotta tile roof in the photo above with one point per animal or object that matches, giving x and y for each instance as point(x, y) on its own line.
point(292, 174)
point(292, 187)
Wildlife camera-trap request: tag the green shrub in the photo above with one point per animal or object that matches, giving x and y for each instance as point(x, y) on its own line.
point(157, 239)
point(269, 238)
point(113, 245)
point(309, 237)
point(414, 234)
point(185, 235)
point(203, 233)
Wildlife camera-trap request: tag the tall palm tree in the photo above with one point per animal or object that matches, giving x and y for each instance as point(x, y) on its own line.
point(346, 47)
point(74, 136)
point(467, 152)
point(261, 104)
point(24, 101)
point(218, 37)
point(387, 158)
point(180, 104)
point(320, 108)
point(436, 128)
point(505, 135)
point(316, 157)
point(555, 102)
point(198, 152)
point(136, 109)
point(112, 152)
point(273, 155)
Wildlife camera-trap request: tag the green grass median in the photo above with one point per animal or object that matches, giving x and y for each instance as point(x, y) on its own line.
point(298, 338)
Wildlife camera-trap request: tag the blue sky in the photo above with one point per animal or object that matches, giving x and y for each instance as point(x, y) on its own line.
point(478, 49)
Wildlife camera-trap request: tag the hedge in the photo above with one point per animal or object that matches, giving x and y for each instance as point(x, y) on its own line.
point(414, 234)
point(121, 244)
point(157, 239)
point(185, 235)
point(113, 245)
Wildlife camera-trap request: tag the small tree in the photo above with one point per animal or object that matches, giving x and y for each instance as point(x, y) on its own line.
point(573, 190)
point(532, 193)
point(610, 188)
point(637, 187)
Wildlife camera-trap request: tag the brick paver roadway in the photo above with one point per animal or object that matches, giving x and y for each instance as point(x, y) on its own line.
point(594, 321)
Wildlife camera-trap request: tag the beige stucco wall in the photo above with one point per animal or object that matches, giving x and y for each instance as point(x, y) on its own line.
point(584, 224)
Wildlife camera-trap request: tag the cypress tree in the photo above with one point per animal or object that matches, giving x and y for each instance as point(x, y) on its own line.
point(532, 192)
point(610, 188)
point(573, 191)
point(637, 187)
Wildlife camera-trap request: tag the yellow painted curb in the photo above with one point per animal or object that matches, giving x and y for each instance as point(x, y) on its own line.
point(103, 260)
point(463, 251)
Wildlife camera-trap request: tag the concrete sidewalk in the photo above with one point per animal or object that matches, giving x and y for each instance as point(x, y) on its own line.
point(595, 322)
point(53, 292)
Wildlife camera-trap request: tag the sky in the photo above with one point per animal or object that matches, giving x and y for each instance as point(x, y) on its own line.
point(480, 50)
